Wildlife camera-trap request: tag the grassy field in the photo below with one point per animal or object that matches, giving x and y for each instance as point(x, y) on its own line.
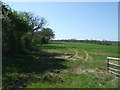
point(61, 65)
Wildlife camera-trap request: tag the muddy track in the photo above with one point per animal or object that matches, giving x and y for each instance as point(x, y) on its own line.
point(86, 55)
point(75, 56)
point(67, 56)
point(78, 70)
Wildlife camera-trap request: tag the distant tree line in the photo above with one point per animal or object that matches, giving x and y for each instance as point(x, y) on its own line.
point(103, 42)
point(22, 31)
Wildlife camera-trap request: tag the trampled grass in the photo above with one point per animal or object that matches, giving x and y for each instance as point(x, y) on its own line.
point(62, 65)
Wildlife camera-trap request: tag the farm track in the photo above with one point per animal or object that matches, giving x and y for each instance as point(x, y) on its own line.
point(75, 56)
point(78, 70)
point(86, 55)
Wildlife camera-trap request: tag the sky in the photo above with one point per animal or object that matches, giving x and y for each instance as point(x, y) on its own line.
point(80, 20)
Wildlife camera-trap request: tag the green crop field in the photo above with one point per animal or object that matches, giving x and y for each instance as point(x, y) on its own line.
point(62, 65)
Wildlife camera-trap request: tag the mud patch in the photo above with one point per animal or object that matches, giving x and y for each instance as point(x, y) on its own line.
point(69, 56)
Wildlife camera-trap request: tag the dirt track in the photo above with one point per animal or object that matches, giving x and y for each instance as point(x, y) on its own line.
point(75, 56)
point(78, 69)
